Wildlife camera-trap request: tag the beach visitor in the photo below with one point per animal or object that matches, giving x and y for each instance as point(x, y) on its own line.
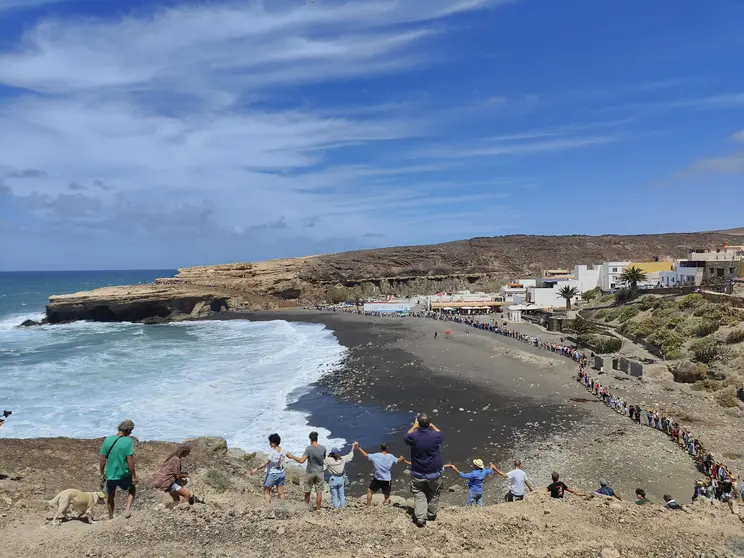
point(436, 335)
point(475, 480)
point(275, 475)
point(641, 497)
point(605, 489)
point(171, 478)
point(382, 478)
point(517, 479)
point(315, 455)
point(116, 463)
point(558, 488)
point(336, 465)
point(671, 503)
point(425, 440)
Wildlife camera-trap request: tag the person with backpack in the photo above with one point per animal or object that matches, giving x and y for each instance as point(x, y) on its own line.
point(117, 467)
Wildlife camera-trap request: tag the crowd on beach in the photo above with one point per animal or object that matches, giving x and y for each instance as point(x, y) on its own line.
point(719, 482)
point(427, 469)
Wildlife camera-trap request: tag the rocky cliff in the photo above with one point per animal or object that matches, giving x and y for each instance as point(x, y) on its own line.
point(139, 303)
point(477, 264)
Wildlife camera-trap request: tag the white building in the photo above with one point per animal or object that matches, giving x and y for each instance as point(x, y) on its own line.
point(588, 276)
point(388, 307)
point(548, 297)
point(609, 275)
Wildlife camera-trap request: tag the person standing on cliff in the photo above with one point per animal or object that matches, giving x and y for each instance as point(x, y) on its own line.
point(425, 441)
point(117, 467)
point(517, 481)
point(383, 463)
point(315, 455)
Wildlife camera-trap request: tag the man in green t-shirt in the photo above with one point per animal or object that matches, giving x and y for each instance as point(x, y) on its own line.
point(117, 466)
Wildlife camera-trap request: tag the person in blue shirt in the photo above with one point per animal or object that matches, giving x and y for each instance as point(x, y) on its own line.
point(605, 489)
point(475, 480)
point(383, 463)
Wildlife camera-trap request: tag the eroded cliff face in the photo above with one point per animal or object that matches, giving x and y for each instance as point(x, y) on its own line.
point(138, 303)
point(476, 264)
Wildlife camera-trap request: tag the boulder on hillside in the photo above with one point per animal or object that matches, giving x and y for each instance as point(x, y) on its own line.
point(687, 372)
point(208, 445)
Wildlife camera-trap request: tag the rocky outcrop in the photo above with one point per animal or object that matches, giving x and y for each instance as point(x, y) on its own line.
point(138, 303)
point(476, 264)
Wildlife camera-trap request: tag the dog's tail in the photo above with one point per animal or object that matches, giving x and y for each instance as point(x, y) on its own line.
point(54, 501)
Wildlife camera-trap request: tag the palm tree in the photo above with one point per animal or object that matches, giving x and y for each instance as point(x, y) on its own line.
point(568, 293)
point(632, 276)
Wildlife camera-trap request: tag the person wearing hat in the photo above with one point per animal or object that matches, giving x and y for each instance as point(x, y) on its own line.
point(117, 466)
point(475, 480)
point(605, 490)
point(336, 466)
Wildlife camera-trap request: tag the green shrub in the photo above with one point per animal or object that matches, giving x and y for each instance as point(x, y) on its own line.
point(706, 327)
point(707, 309)
point(667, 340)
point(727, 397)
point(612, 315)
point(707, 350)
point(690, 372)
point(647, 303)
point(218, 480)
point(647, 326)
point(735, 336)
point(601, 314)
point(628, 313)
point(605, 345)
point(691, 301)
point(674, 322)
point(675, 354)
point(607, 298)
point(592, 294)
point(623, 295)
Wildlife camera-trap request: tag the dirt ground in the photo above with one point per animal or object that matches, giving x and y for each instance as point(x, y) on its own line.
point(234, 521)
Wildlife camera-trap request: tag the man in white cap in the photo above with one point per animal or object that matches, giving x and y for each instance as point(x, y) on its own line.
point(475, 480)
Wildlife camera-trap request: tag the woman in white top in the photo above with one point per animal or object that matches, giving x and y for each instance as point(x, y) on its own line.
point(336, 465)
point(275, 474)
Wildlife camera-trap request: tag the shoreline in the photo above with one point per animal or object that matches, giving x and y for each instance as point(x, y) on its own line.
point(517, 401)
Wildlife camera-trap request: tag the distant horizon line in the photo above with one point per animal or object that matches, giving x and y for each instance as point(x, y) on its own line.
point(86, 270)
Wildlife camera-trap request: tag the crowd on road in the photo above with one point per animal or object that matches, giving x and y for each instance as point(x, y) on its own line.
point(718, 483)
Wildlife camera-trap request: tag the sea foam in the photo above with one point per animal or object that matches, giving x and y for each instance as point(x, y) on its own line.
point(233, 379)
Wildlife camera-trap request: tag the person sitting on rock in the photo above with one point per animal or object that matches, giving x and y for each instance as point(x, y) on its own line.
point(475, 480)
point(171, 478)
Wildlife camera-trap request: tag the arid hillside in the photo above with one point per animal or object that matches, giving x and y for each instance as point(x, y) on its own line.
point(478, 263)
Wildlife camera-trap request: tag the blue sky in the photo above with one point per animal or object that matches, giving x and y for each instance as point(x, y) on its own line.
point(159, 134)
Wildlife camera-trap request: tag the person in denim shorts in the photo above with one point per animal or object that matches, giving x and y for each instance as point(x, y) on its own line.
point(275, 474)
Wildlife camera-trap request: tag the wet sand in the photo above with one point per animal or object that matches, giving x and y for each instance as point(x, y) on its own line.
point(494, 397)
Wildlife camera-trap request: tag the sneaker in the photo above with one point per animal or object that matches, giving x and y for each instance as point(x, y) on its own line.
point(431, 517)
point(421, 524)
point(192, 499)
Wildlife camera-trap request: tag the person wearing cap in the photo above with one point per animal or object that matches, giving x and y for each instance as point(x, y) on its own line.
point(605, 489)
point(475, 480)
point(671, 503)
point(517, 481)
point(336, 466)
point(117, 466)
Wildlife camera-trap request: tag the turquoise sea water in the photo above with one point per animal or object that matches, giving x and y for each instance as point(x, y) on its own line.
point(227, 378)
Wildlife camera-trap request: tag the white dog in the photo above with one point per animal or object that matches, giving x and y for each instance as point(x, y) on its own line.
point(81, 502)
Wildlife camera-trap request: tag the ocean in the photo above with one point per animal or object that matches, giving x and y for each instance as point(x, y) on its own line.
point(235, 378)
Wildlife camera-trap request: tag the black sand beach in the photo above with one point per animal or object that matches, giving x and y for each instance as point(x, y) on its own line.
point(494, 398)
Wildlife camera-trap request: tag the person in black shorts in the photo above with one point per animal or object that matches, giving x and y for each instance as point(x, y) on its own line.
point(557, 488)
